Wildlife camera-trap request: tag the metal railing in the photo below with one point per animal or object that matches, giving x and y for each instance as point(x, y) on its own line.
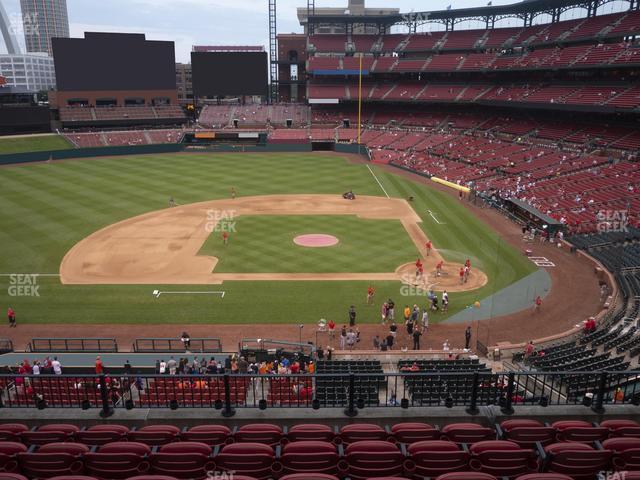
point(351, 391)
point(6, 345)
point(75, 345)
point(176, 345)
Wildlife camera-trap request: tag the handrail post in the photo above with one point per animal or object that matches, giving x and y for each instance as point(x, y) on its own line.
point(602, 385)
point(227, 411)
point(473, 405)
point(508, 408)
point(351, 409)
point(106, 410)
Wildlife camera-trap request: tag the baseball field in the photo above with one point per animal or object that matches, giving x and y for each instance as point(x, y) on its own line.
point(101, 237)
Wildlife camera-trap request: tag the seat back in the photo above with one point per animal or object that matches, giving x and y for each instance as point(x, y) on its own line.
point(45, 436)
point(309, 456)
point(582, 434)
point(411, 432)
point(466, 476)
point(310, 431)
point(153, 437)
point(69, 447)
point(45, 465)
point(259, 433)
point(626, 452)
point(578, 463)
point(210, 434)
point(373, 458)
point(115, 465)
point(502, 458)
point(100, 437)
point(358, 432)
point(436, 457)
point(528, 436)
point(467, 433)
point(181, 465)
point(252, 459)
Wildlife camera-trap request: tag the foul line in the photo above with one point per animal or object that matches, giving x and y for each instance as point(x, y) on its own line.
point(376, 178)
point(434, 217)
point(36, 274)
point(157, 293)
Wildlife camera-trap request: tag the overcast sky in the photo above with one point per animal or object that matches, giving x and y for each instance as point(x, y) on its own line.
point(212, 22)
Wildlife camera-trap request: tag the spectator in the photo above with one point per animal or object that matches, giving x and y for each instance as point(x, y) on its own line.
point(57, 366)
point(162, 367)
point(467, 338)
point(99, 368)
point(243, 365)
point(352, 338)
point(376, 342)
point(416, 338)
point(172, 365)
point(343, 337)
point(332, 329)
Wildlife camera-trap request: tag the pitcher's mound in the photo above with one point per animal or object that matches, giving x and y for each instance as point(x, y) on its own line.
point(315, 240)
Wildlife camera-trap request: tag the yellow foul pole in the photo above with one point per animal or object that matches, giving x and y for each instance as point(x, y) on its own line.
point(359, 99)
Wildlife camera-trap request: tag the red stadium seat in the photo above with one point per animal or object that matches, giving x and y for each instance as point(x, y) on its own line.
point(155, 434)
point(310, 431)
point(577, 460)
point(527, 432)
point(46, 465)
point(626, 452)
point(467, 433)
point(622, 428)
point(305, 476)
point(67, 447)
point(46, 434)
point(15, 476)
point(266, 433)
point(154, 477)
point(252, 459)
point(71, 477)
point(579, 431)
point(466, 476)
point(102, 434)
point(544, 476)
point(436, 457)
point(183, 460)
point(10, 432)
point(371, 458)
point(307, 456)
point(118, 460)
point(411, 432)
point(502, 458)
point(210, 434)
point(8, 455)
point(361, 431)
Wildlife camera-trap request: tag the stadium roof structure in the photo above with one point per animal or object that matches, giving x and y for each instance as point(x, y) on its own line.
point(526, 10)
point(228, 48)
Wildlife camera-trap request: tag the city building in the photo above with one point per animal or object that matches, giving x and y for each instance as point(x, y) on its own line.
point(355, 8)
point(31, 72)
point(43, 20)
point(184, 83)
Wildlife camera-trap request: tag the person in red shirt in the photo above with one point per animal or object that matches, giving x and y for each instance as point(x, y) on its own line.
point(295, 368)
point(439, 268)
point(538, 303)
point(11, 316)
point(99, 367)
point(418, 263)
point(468, 264)
point(428, 245)
point(461, 275)
point(332, 329)
point(370, 293)
point(225, 237)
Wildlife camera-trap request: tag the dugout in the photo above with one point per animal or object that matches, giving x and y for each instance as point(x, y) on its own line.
point(532, 216)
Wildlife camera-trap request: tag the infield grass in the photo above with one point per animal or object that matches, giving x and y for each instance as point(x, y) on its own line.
point(47, 208)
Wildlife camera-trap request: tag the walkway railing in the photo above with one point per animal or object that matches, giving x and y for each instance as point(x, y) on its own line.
point(176, 345)
point(78, 345)
point(349, 391)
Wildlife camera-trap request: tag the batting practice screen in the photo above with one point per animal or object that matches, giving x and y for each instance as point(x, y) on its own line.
point(114, 61)
point(229, 73)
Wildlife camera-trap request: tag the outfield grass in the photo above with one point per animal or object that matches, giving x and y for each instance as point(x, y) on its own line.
point(47, 208)
point(264, 244)
point(33, 143)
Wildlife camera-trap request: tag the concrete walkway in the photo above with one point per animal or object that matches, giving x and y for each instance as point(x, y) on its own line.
point(514, 298)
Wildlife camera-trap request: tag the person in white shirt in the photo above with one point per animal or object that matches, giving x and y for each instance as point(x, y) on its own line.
point(36, 368)
point(57, 366)
point(163, 367)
